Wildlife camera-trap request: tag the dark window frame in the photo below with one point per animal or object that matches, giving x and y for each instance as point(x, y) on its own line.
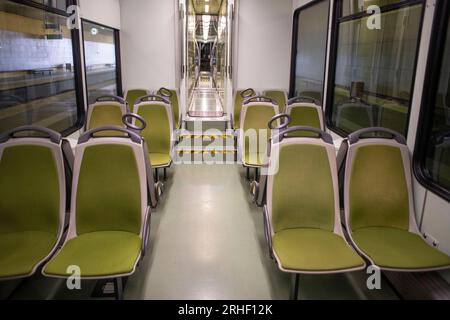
point(116, 31)
point(76, 53)
point(294, 48)
point(337, 19)
point(428, 105)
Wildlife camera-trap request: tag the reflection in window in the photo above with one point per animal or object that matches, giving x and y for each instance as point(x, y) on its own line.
point(311, 51)
point(438, 151)
point(375, 70)
point(37, 77)
point(100, 57)
point(58, 4)
point(350, 7)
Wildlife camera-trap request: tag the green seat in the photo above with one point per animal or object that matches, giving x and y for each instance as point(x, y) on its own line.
point(108, 231)
point(103, 114)
point(302, 212)
point(157, 112)
point(305, 114)
point(399, 249)
point(132, 95)
point(255, 134)
point(172, 95)
point(381, 218)
point(98, 254)
point(314, 250)
point(280, 96)
point(32, 202)
point(238, 100)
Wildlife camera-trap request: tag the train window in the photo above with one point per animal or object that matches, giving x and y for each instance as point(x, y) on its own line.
point(57, 4)
point(350, 7)
point(37, 71)
point(433, 152)
point(100, 53)
point(310, 46)
point(372, 78)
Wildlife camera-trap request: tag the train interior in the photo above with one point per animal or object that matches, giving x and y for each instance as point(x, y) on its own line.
point(224, 149)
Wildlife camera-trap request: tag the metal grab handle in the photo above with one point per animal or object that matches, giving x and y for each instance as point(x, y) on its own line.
point(167, 93)
point(284, 124)
point(151, 98)
point(260, 99)
point(85, 137)
point(302, 99)
point(248, 93)
point(54, 136)
point(356, 136)
point(326, 137)
point(111, 98)
point(130, 125)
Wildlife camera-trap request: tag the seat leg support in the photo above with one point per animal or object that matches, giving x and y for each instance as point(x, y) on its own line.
point(118, 288)
point(165, 174)
point(156, 175)
point(248, 173)
point(294, 286)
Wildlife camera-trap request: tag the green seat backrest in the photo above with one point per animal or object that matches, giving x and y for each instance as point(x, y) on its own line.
point(108, 191)
point(29, 190)
point(157, 133)
point(378, 192)
point(304, 116)
point(238, 100)
point(133, 95)
point(105, 115)
point(394, 116)
point(257, 118)
point(175, 106)
point(303, 192)
point(279, 97)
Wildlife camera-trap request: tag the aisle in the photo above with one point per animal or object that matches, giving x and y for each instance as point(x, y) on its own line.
point(207, 242)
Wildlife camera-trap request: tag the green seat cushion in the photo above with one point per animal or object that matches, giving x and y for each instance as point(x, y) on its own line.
point(255, 128)
point(175, 107)
point(106, 115)
point(29, 190)
point(133, 95)
point(97, 254)
point(157, 134)
point(398, 249)
point(314, 250)
point(378, 189)
point(303, 194)
point(279, 97)
point(159, 159)
point(237, 109)
point(108, 192)
point(20, 252)
point(255, 159)
point(304, 116)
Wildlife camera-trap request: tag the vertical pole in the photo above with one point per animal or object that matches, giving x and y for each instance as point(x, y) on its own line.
point(294, 286)
point(118, 288)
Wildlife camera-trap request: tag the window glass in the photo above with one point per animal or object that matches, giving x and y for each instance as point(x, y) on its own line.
point(350, 7)
point(58, 4)
point(311, 51)
point(100, 57)
point(37, 73)
point(375, 71)
point(438, 149)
